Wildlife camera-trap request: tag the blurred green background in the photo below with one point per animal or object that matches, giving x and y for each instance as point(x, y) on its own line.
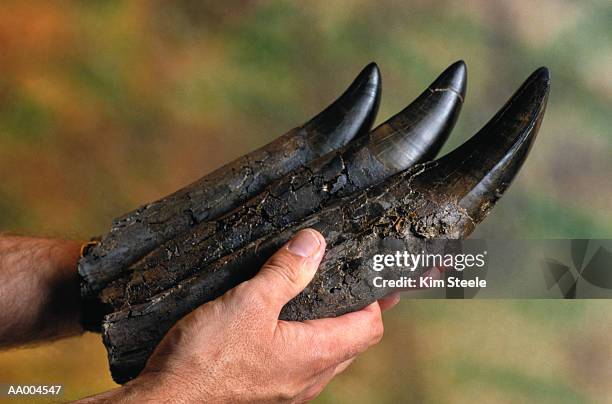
point(105, 105)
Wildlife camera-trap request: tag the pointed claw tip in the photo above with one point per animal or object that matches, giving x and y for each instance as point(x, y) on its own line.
point(537, 84)
point(459, 66)
point(542, 73)
point(350, 115)
point(454, 78)
point(372, 67)
point(532, 96)
point(367, 86)
point(369, 76)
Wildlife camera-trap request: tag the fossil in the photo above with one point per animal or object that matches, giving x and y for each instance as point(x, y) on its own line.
point(137, 233)
point(380, 192)
point(413, 135)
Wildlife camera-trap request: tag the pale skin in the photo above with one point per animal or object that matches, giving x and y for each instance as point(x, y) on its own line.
point(233, 349)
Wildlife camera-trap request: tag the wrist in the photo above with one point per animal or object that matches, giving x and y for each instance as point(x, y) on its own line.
point(63, 285)
point(162, 387)
point(41, 285)
point(132, 392)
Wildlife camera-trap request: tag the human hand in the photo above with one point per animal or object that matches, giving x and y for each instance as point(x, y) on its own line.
point(39, 292)
point(235, 348)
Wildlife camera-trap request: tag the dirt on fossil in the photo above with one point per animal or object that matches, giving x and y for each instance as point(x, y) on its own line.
point(307, 190)
point(355, 229)
point(138, 232)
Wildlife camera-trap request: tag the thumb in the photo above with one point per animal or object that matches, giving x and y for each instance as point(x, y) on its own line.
point(289, 270)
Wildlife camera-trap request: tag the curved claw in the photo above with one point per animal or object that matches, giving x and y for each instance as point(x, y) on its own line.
point(475, 175)
point(417, 133)
point(138, 232)
point(352, 114)
point(430, 200)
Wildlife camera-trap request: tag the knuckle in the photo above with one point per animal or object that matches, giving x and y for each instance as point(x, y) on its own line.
point(283, 266)
point(288, 392)
point(246, 297)
point(322, 354)
point(313, 393)
point(243, 293)
point(378, 330)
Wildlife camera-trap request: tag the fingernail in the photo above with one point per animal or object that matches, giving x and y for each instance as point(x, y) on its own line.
point(305, 244)
point(434, 273)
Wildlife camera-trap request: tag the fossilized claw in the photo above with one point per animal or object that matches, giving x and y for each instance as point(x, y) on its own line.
point(426, 122)
point(415, 133)
point(138, 232)
point(476, 174)
point(352, 113)
point(441, 199)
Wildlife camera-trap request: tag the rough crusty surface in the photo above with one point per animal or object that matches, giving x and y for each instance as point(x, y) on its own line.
point(391, 214)
point(136, 233)
point(287, 200)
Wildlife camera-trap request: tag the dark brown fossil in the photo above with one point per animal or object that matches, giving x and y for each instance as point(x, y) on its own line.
point(414, 135)
point(443, 199)
point(138, 232)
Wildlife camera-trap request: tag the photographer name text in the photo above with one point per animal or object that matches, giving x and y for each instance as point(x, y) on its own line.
point(406, 261)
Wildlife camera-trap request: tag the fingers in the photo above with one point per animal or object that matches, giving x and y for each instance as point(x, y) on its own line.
point(323, 379)
point(344, 365)
point(289, 270)
point(389, 301)
point(341, 338)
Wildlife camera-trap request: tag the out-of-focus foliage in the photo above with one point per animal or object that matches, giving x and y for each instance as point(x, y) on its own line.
point(105, 105)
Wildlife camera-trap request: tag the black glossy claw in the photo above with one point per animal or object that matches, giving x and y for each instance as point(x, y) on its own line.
point(475, 175)
point(417, 133)
point(352, 113)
